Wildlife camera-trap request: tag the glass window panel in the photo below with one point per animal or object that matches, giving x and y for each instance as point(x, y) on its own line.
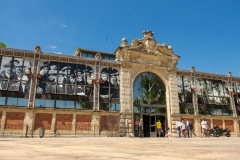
point(22, 102)
point(41, 87)
point(104, 106)
point(137, 109)
point(2, 100)
point(49, 103)
point(61, 89)
point(87, 73)
point(112, 58)
point(12, 101)
point(105, 75)
point(104, 92)
point(51, 88)
point(39, 102)
point(77, 105)
point(106, 57)
point(3, 84)
point(85, 105)
point(60, 104)
point(89, 91)
point(24, 88)
point(18, 68)
point(6, 66)
point(84, 54)
point(114, 93)
point(237, 86)
point(225, 89)
point(14, 86)
point(115, 107)
point(80, 90)
point(44, 67)
point(113, 80)
point(209, 87)
point(90, 55)
point(27, 66)
point(52, 73)
point(71, 89)
point(70, 104)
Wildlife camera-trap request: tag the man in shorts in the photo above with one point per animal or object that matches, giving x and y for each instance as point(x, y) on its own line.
point(204, 127)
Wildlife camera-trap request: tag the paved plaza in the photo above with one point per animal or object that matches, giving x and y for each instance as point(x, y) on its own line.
point(106, 148)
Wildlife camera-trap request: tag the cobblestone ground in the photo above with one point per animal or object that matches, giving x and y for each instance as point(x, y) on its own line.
point(119, 148)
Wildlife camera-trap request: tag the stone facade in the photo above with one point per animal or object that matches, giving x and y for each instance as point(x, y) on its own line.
point(141, 56)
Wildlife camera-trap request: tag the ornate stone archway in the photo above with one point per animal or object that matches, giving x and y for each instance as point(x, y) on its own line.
point(147, 55)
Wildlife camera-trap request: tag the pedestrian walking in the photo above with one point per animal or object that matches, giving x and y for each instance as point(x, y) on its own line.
point(159, 128)
point(179, 129)
point(140, 124)
point(191, 127)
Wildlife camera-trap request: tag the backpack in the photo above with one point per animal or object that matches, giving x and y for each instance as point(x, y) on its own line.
point(191, 126)
point(136, 123)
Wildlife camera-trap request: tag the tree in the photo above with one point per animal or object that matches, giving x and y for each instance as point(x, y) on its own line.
point(3, 45)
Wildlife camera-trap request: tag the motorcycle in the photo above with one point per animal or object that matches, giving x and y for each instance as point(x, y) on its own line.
point(226, 132)
point(214, 133)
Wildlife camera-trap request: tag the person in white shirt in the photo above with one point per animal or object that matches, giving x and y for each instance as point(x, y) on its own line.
point(183, 128)
point(204, 126)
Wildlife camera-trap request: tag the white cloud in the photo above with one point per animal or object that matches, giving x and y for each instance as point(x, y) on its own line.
point(53, 47)
point(58, 52)
point(63, 25)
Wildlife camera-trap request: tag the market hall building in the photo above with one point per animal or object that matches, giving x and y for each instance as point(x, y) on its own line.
point(96, 93)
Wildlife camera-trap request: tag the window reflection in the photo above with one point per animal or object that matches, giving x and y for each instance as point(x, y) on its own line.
point(2, 100)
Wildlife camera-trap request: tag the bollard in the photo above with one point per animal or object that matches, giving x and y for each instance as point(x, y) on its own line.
point(41, 132)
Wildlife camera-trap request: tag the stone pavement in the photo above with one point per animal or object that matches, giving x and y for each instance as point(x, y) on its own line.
point(106, 148)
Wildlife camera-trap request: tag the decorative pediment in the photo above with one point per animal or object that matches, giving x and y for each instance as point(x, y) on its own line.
point(149, 45)
point(145, 50)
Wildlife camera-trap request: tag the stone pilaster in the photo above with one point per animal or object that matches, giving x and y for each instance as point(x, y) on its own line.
point(125, 90)
point(74, 122)
point(173, 94)
point(96, 118)
point(3, 121)
point(28, 123)
point(96, 89)
point(53, 121)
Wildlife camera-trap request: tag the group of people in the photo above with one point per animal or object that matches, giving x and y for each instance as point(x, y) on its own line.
point(12, 74)
point(185, 129)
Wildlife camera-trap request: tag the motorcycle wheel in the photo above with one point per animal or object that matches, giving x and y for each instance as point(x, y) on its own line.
point(217, 135)
point(228, 134)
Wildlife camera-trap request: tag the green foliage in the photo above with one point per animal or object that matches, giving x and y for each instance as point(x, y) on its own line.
point(85, 105)
point(3, 45)
point(157, 90)
point(104, 106)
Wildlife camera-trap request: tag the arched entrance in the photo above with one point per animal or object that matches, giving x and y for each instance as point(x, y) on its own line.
point(149, 101)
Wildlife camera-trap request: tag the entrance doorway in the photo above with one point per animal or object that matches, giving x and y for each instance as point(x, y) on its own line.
point(149, 121)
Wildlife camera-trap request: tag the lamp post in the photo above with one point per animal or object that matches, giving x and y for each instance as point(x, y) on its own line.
point(231, 93)
point(97, 82)
point(193, 87)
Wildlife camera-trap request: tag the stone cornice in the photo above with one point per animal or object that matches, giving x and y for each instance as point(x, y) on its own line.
point(207, 75)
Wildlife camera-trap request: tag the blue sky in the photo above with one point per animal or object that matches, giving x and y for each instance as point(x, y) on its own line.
point(206, 34)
